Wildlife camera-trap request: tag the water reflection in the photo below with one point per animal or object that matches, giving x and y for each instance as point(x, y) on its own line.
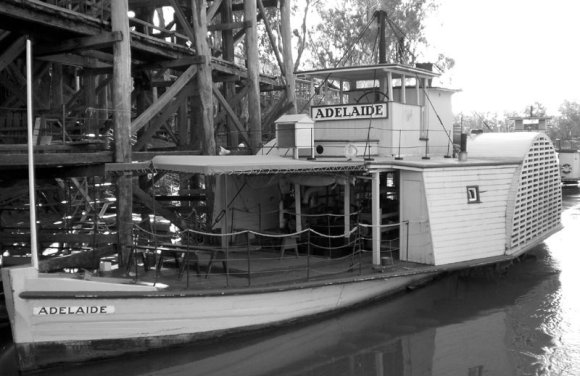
point(524, 322)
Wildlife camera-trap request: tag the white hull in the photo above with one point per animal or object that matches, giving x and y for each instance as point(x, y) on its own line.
point(129, 318)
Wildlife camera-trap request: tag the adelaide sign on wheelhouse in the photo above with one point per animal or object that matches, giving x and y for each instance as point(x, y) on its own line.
point(349, 111)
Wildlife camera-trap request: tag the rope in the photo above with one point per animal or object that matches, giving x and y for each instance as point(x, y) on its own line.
point(437, 114)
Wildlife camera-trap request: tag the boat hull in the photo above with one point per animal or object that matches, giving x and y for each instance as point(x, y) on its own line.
point(96, 320)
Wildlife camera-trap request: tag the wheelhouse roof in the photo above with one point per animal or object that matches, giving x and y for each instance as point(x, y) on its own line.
point(369, 72)
point(250, 165)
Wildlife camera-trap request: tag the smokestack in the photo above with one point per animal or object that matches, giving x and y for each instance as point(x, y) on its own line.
point(463, 147)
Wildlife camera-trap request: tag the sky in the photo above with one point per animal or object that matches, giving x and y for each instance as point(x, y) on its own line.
point(509, 53)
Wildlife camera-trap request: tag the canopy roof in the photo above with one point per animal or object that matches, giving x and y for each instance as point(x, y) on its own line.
point(369, 72)
point(503, 145)
point(249, 164)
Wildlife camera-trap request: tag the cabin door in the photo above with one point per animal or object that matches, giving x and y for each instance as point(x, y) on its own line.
point(415, 234)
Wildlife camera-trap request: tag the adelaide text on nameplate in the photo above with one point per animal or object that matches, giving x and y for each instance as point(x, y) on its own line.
point(73, 310)
point(350, 111)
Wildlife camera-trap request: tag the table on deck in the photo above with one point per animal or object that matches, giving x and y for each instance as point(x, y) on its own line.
point(217, 253)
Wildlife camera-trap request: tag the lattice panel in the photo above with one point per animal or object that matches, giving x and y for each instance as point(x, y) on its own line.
point(539, 199)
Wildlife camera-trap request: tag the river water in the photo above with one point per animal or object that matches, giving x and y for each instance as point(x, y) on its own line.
point(525, 321)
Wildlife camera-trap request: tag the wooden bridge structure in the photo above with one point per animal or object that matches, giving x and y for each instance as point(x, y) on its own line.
point(116, 82)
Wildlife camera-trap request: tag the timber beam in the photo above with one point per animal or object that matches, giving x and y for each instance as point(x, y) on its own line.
point(95, 42)
point(237, 123)
point(155, 207)
point(229, 26)
point(174, 64)
point(39, 16)
point(12, 52)
point(238, 7)
point(212, 10)
point(76, 61)
point(169, 110)
point(182, 18)
point(164, 100)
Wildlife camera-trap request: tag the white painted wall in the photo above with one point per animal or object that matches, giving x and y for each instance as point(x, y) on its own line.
point(406, 123)
point(462, 231)
point(404, 117)
point(415, 238)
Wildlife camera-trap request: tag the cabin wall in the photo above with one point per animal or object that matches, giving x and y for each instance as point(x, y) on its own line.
point(334, 135)
point(350, 130)
point(406, 120)
point(415, 238)
point(462, 230)
point(252, 203)
point(440, 136)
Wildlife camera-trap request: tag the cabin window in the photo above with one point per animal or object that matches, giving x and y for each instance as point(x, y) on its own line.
point(473, 194)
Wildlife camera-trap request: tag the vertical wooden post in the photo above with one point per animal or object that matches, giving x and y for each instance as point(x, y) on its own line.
point(56, 95)
point(347, 206)
point(390, 86)
point(376, 218)
point(298, 207)
point(382, 38)
point(142, 82)
point(204, 80)
point(418, 90)
point(286, 32)
point(253, 64)
point(102, 103)
point(403, 89)
point(184, 123)
point(122, 125)
point(227, 16)
point(31, 180)
point(89, 85)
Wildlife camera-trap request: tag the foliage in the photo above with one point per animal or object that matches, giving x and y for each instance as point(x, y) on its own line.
point(536, 110)
point(339, 32)
point(564, 126)
point(568, 123)
point(330, 32)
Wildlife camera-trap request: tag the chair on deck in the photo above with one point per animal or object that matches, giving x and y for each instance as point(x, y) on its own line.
point(389, 248)
point(188, 259)
point(289, 242)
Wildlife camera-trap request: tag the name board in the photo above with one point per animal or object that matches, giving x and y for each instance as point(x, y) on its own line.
point(531, 121)
point(73, 310)
point(349, 111)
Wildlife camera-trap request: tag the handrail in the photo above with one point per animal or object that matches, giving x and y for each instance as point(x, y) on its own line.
point(259, 258)
point(164, 32)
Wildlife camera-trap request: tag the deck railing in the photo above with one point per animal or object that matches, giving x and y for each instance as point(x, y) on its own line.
point(248, 258)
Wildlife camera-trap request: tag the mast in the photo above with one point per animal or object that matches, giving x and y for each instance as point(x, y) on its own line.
point(32, 199)
point(382, 20)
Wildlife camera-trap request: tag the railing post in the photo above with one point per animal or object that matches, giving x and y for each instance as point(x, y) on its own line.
point(360, 247)
point(186, 265)
point(225, 264)
point(308, 256)
point(249, 262)
point(63, 127)
point(407, 242)
point(329, 232)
